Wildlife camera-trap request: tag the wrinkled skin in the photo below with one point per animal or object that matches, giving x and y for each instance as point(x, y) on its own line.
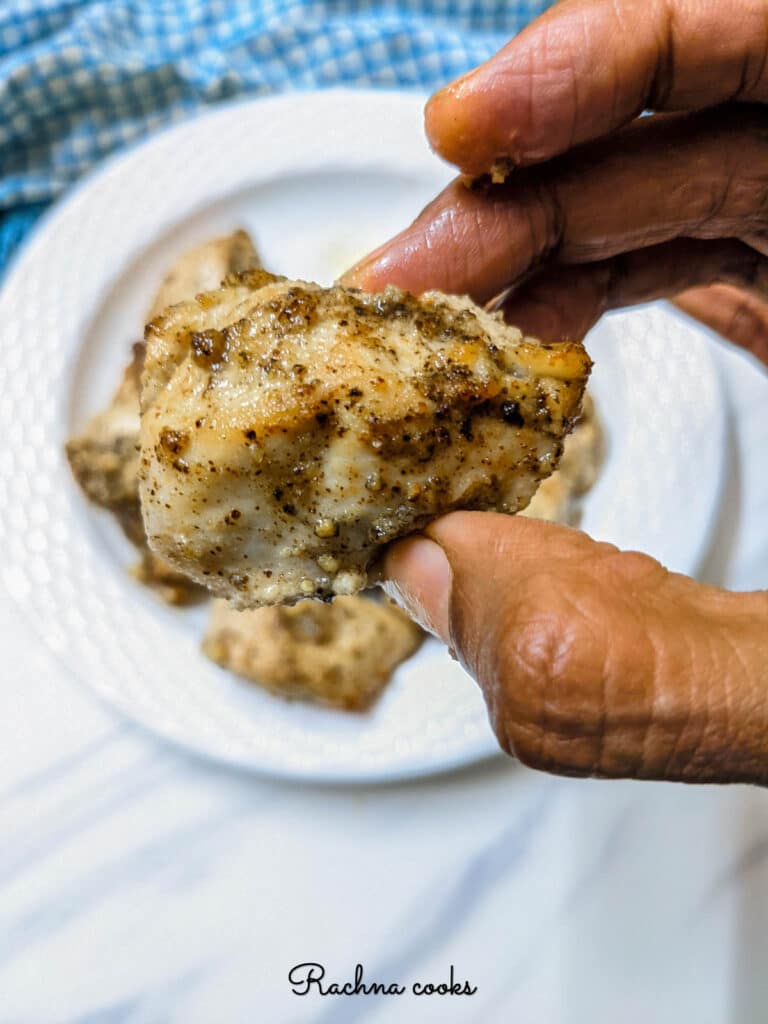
point(595, 661)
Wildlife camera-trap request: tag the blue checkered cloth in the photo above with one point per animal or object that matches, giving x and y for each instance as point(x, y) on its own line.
point(80, 78)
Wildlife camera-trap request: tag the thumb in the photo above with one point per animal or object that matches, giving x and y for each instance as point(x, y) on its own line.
point(593, 661)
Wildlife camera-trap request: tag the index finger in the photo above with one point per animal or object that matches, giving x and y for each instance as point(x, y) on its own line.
point(588, 66)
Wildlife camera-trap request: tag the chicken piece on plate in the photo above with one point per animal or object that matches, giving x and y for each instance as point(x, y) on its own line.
point(204, 267)
point(340, 654)
point(105, 457)
point(289, 431)
point(558, 497)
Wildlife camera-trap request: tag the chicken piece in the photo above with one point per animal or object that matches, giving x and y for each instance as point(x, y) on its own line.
point(290, 431)
point(105, 457)
point(341, 654)
point(204, 267)
point(557, 499)
point(105, 461)
point(584, 450)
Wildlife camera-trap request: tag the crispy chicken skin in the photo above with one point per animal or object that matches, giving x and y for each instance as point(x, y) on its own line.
point(290, 431)
point(105, 458)
point(341, 654)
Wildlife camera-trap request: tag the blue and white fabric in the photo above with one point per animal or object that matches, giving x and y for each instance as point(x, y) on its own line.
point(81, 78)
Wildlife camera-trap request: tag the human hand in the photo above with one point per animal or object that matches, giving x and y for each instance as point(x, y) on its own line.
point(602, 208)
point(594, 661)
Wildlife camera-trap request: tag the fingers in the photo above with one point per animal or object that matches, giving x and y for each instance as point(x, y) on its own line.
point(703, 176)
point(419, 579)
point(594, 661)
point(740, 316)
point(561, 303)
point(588, 66)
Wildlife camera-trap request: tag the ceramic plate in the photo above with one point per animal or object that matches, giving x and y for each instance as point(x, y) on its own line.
point(318, 179)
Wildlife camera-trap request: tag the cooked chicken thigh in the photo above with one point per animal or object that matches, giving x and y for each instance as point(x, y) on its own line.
point(340, 654)
point(105, 457)
point(289, 431)
point(558, 497)
point(204, 267)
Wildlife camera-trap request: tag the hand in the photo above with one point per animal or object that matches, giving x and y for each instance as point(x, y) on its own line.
point(595, 661)
point(602, 208)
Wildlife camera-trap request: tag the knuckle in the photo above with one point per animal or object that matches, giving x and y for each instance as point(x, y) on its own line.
point(727, 196)
point(747, 187)
point(546, 695)
point(750, 203)
point(552, 217)
point(565, 681)
point(748, 326)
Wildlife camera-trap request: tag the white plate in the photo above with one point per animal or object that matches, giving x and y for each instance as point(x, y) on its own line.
point(318, 179)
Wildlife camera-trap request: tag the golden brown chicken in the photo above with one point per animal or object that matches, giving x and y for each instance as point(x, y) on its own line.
point(290, 431)
point(341, 654)
point(203, 267)
point(558, 497)
point(105, 457)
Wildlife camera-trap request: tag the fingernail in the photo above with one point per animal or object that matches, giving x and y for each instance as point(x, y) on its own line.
point(419, 580)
